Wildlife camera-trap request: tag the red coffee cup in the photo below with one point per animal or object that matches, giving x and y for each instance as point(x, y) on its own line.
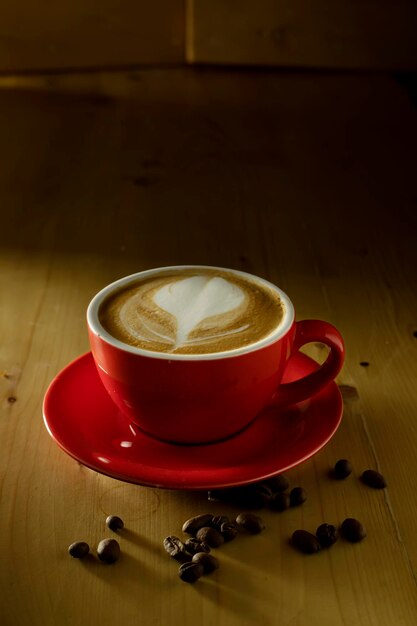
point(202, 398)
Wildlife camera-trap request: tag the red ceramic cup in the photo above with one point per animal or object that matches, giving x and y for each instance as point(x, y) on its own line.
point(202, 398)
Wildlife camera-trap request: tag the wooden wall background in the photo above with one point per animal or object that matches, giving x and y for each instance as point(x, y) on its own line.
point(71, 34)
point(76, 34)
point(305, 33)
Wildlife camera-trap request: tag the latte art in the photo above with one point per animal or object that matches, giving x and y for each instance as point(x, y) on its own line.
point(191, 312)
point(193, 301)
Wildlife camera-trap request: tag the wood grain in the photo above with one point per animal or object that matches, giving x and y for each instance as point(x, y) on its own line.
point(303, 33)
point(306, 180)
point(90, 34)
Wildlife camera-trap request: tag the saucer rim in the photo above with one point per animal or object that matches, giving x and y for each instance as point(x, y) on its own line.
point(182, 485)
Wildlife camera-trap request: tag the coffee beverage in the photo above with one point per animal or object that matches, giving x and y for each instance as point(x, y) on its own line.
point(192, 311)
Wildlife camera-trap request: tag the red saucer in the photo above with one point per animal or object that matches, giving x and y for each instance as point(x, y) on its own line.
point(85, 423)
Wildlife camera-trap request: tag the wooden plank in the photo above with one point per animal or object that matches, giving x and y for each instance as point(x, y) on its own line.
point(305, 180)
point(303, 33)
point(90, 34)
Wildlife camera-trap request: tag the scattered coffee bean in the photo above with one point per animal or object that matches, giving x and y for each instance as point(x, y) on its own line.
point(114, 522)
point(250, 522)
point(176, 549)
point(208, 561)
point(327, 535)
point(218, 520)
point(373, 479)
point(108, 550)
point(79, 549)
point(190, 572)
point(211, 536)
point(298, 495)
point(353, 530)
point(193, 546)
point(192, 525)
point(305, 542)
point(228, 531)
point(278, 483)
point(280, 501)
point(342, 469)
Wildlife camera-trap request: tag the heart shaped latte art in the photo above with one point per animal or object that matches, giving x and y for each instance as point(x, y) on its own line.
point(190, 312)
point(192, 300)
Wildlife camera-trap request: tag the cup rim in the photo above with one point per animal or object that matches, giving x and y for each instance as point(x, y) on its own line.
point(95, 326)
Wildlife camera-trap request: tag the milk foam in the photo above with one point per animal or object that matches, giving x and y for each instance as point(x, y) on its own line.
point(194, 299)
point(192, 312)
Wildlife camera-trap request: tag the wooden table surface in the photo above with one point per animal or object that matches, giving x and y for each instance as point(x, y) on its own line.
point(306, 180)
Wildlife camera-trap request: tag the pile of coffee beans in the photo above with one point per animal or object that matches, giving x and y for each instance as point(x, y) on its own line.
point(108, 550)
point(271, 493)
point(207, 532)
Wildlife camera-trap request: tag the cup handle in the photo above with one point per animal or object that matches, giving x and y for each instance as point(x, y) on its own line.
point(306, 332)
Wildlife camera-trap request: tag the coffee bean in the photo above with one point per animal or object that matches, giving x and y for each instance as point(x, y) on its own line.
point(298, 495)
point(211, 536)
point(114, 522)
point(190, 572)
point(305, 542)
point(342, 469)
point(373, 479)
point(263, 490)
point(277, 483)
point(208, 561)
point(327, 535)
point(279, 502)
point(228, 531)
point(192, 525)
point(108, 550)
point(79, 549)
point(353, 530)
point(193, 546)
point(250, 522)
point(218, 520)
point(176, 549)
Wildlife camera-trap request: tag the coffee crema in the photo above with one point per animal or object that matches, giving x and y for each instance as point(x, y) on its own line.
point(192, 311)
